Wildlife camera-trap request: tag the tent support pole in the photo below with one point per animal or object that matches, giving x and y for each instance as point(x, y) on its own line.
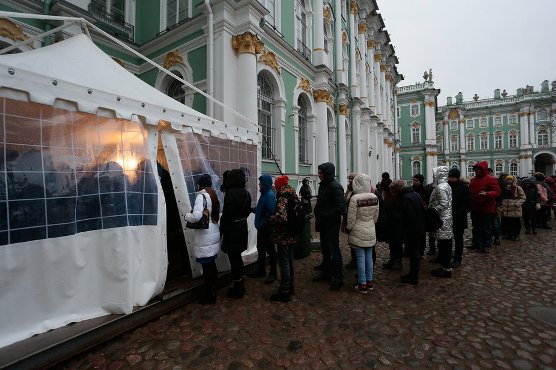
point(35, 37)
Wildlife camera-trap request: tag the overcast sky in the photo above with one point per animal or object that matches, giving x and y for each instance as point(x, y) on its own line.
point(473, 46)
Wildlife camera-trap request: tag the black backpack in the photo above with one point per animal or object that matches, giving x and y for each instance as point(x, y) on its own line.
point(295, 216)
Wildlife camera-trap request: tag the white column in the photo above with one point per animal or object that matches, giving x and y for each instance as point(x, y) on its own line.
point(370, 74)
point(397, 169)
point(356, 140)
point(532, 133)
point(365, 159)
point(379, 150)
point(338, 39)
point(295, 113)
point(342, 146)
point(363, 64)
point(377, 85)
point(318, 23)
point(431, 162)
point(462, 146)
point(524, 130)
point(352, 60)
point(463, 167)
point(247, 47)
point(321, 132)
point(332, 144)
point(373, 170)
point(382, 92)
point(446, 137)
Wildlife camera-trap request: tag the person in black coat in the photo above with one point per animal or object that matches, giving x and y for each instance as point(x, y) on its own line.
point(328, 216)
point(418, 186)
point(233, 226)
point(461, 206)
point(411, 227)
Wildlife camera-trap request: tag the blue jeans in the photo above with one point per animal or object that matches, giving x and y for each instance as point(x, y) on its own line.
point(482, 230)
point(364, 264)
point(331, 254)
point(285, 261)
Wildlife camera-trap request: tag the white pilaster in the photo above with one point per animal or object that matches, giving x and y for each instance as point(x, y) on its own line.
point(342, 146)
point(524, 130)
point(462, 146)
point(370, 74)
point(446, 138)
point(321, 132)
point(363, 64)
point(356, 122)
point(338, 40)
point(373, 171)
point(352, 60)
point(318, 16)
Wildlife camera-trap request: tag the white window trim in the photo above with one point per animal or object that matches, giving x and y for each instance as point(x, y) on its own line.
point(494, 121)
point(481, 136)
point(510, 121)
point(481, 120)
point(455, 128)
point(454, 139)
point(164, 11)
point(472, 124)
point(499, 134)
point(309, 35)
point(472, 137)
point(411, 109)
point(418, 126)
point(510, 140)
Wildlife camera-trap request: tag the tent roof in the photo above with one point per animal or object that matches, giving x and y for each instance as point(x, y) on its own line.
point(77, 70)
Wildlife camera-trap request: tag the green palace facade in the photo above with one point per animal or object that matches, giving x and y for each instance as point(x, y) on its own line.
point(513, 133)
point(317, 76)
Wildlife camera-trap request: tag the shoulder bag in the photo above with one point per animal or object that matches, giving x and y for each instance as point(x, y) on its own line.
point(203, 223)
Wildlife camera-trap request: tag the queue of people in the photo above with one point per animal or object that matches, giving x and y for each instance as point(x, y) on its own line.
point(393, 212)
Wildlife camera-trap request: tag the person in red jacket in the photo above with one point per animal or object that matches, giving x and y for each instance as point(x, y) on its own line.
point(484, 191)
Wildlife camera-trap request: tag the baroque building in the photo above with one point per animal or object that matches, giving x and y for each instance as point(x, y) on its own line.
point(515, 134)
point(316, 77)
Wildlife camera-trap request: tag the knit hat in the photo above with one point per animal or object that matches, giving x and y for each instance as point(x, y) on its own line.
point(419, 177)
point(281, 181)
point(454, 172)
point(539, 176)
point(510, 178)
point(385, 176)
point(205, 181)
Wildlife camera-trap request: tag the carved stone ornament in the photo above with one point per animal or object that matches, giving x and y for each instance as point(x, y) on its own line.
point(377, 57)
point(383, 68)
point(453, 114)
point(353, 7)
point(171, 59)
point(370, 44)
point(305, 85)
point(327, 14)
point(343, 110)
point(429, 104)
point(269, 58)
point(397, 149)
point(323, 96)
point(357, 54)
point(12, 31)
point(431, 154)
point(344, 37)
point(247, 43)
point(388, 77)
point(362, 28)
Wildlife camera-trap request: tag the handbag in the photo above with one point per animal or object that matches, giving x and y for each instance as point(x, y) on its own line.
point(203, 223)
point(433, 221)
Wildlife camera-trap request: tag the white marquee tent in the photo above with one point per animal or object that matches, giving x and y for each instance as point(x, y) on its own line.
point(84, 214)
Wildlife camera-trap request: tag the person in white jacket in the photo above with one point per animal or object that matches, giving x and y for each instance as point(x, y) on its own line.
point(362, 214)
point(207, 241)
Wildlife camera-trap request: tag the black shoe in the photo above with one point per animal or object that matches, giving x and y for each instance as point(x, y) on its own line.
point(441, 272)
point(271, 278)
point(455, 264)
point(497, 241)
point(484, 250)
point(257, 274)
point(472, 247)
point(352, 265)
point(318, 267)
point(434, 260)
point(237, 290)
point(336, 285)
point(321, 277)
point(408, 279)
point(396, 265)
point(280, 297)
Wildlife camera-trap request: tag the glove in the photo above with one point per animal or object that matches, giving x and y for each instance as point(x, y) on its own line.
point(537, 206)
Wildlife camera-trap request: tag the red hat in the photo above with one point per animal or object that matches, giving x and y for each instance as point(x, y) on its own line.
point(281, 181)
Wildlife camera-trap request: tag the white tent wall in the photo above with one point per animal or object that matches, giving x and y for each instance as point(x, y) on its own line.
point(48, 283)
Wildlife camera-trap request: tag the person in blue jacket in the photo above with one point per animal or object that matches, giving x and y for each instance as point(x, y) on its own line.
point(266, 207)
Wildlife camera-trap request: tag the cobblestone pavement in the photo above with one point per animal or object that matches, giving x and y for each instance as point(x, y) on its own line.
point(479, 319)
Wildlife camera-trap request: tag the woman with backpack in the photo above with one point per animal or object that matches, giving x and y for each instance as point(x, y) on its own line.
point(207, 241)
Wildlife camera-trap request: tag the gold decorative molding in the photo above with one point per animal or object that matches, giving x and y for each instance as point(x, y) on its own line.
point(344, 37)
point(383, 68)
point(247, 42)
point(388, 77)
point(377, 57)
point(171, 59)
point(323, 96)
point(431, 154)
point(13, 31)
point(119, 61)
point(357, 54)
point(362, 28)
point(525, 156)
point(397, 149)
point(327, 14)
point(444, 123)
point(385, 140)
point(370, 44)
point(269, 58)
point(453, 114)
point(429, 104)
point(305, 85)
point(523, 114)
point(343, 110)
point(353, 7)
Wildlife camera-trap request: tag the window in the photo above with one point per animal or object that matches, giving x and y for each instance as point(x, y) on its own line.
point(470, 140)
point(270, 5)
point(454, 144)
point(469, 124)
point(484, 141)
point(398, 111)
point(512, 138)
point(470, 171)
point(542, 115)
point(513, 168)
point(483, 122)
point(415, 134)
point(114, 10)
point(303, 29)
point(175, 89)
point(453, 125)
point(542, 137)
point(265, 108)
point(439, 144)
point(415, 167)
point(176, 12)
point(513, 119)
point(498, 121)
point(498, 168)
point(498, 140)
point(414, 110)
point(302, 115)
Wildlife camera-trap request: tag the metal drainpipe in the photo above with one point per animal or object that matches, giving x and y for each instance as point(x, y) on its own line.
point(46, 11)
point(210, 57)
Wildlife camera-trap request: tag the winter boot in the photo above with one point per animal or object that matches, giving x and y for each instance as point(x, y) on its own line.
point(395, 265)
point(237, 289)
point(281, 296)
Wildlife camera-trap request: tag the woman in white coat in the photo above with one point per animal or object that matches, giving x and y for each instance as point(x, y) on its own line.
point(207, 241)
point(362, 214)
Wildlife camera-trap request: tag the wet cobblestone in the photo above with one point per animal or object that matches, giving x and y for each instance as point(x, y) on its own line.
point(477, 320)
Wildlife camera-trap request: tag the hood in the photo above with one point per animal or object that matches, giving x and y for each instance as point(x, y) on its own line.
point(266, 183)
point(234, 179)
point(484, 166)
point(328, 171)
point(361, 184)
point(440, 175)
point(549, 181)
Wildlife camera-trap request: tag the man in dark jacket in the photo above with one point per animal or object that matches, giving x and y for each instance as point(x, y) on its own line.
point(418, 186)
point(328, 213)
point(412, 226)
point(484, 191)
point(461, 205)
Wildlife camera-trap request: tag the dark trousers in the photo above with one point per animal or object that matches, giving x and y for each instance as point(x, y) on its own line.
point(210, 274)
point(511, 226)
point(458, 243)
point(482, 230)
point(496, 227)
point(396, 250)
point(412, 250)
point(423, 244)
point(264, 246)
point(331, 254)
point(432, 243)
point(444, 252)
point(236, 263)
point(542, 216)
point(285, 261)
point(529, 219)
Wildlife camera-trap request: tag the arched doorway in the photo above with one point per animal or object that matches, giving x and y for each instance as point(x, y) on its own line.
point(546, 163)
